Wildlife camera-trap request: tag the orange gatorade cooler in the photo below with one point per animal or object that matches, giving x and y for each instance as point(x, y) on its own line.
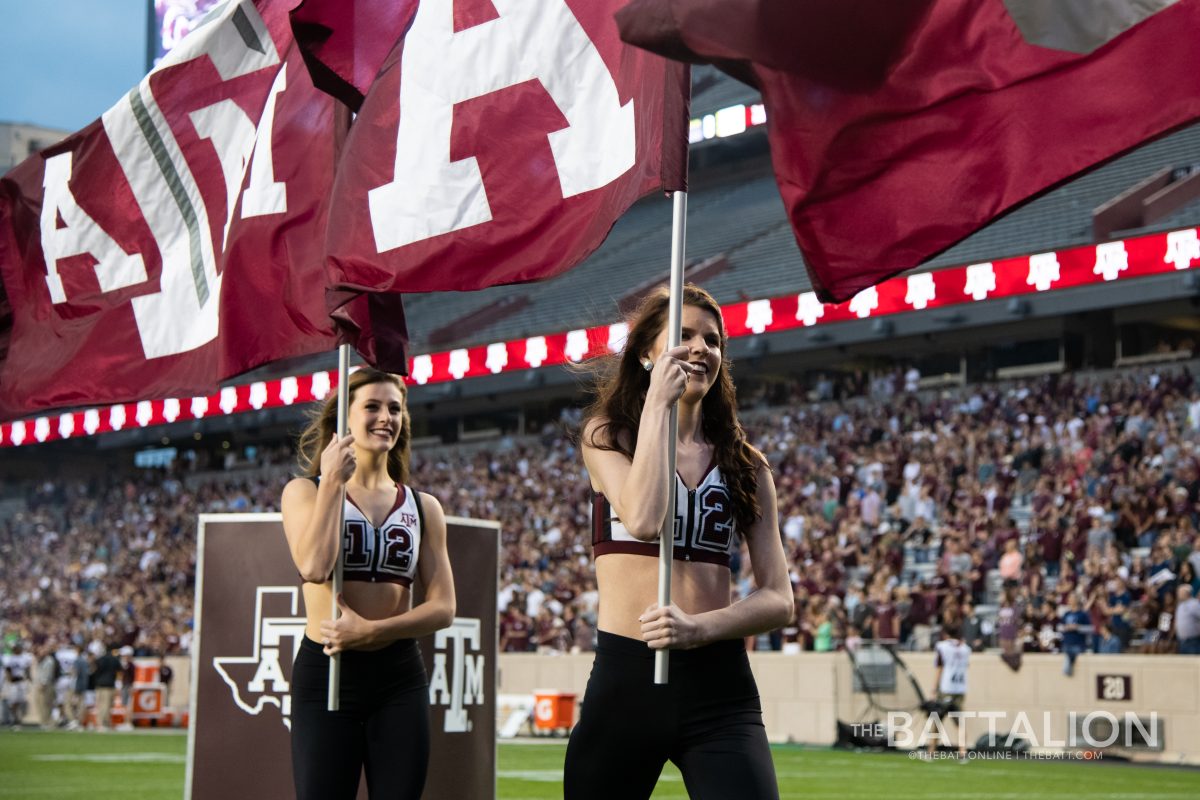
point(553, 710)
point(145, 671)
point(147, 705)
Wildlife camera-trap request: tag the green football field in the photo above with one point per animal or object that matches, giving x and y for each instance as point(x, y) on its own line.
point(149, 766)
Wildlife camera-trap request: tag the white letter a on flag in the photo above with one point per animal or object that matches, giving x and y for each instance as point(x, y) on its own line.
point(429, 195)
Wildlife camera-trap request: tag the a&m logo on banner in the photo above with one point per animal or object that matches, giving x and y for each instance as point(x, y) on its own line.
point(461, 683)
point(257, 680)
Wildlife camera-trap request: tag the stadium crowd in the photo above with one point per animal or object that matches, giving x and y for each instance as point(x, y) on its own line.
point(1057, 514)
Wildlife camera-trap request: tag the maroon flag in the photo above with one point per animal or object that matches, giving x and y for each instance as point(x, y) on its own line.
point(849, 44)
point(345, 42)
point(974, 108)
point(497, 143)
point(176, 241)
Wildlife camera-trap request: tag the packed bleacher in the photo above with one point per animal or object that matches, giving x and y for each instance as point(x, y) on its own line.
point(986, 508)
point(904, 511)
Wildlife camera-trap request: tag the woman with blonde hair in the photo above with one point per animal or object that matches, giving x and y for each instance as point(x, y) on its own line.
point(391, 535)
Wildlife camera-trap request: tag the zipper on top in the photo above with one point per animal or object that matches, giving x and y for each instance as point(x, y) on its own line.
point(687, 534)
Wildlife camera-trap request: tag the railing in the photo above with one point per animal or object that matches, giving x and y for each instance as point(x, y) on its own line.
point(1140, 359)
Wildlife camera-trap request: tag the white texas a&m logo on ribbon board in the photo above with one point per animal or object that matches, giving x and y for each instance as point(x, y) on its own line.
point(458, 669)
point(257, 680)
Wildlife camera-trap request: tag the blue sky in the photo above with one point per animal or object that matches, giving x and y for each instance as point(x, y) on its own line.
point(63, 62)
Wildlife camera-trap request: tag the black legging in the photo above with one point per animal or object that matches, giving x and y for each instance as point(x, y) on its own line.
point(382, 724)
point(707, 720)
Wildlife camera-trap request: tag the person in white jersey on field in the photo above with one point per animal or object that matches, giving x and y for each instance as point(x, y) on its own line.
point(16, 667)
point(951, 656)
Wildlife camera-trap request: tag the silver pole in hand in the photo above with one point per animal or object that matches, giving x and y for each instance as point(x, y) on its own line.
point(666, 536)
point(343, 411)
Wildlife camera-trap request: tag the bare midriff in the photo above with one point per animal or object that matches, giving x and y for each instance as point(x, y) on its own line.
point(628, 584)
point(369, 600)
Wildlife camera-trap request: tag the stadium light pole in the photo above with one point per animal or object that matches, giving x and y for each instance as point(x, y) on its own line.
point(152, 35)
point(666, 534)
point(343, 409)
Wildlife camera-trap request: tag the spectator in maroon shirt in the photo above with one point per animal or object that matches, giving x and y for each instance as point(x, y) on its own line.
point(1075, 544)
point(1129, 524)
point(886, 625)
point(1097, 608)
point(976, 580)
point(1034, 582)
point(1003, 533)
point(1001, 504)
point(516, 631)
point(550, 633)
point(1008, 625)
point(1050, 538)
point(920, 611)
point(831, 571)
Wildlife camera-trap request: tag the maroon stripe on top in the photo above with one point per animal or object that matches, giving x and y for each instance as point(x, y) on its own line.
point(603, 544)
point(601, 519)
point(712, 464)
point(401, 496)
point(629, 548)
point(651, 549)
point(703, 556)
point(365, 576)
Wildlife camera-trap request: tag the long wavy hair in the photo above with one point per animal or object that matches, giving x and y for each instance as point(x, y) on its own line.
point(622, 383)
point(315, 437)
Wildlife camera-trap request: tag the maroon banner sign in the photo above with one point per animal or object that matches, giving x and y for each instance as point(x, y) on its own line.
point(249, 625)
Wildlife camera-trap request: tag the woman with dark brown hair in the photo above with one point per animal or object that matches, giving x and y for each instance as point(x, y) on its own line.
point(707, 719)
point(391, 534)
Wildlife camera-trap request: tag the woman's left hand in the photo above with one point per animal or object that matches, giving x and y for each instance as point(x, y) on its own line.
point(349, 631)
point(664, 628)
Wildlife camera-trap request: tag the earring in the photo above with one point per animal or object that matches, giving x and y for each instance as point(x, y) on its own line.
point(648, 364)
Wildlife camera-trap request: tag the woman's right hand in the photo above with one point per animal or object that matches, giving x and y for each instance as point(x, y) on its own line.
point(669, 378)
point(337, 460)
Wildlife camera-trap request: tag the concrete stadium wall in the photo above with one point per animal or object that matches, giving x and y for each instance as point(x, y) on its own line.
point(1168, 685)
point(802, 694)
point(181, 681)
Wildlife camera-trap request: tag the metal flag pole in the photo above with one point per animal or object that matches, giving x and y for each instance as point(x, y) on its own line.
point(343, 410)
point(666, 535)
